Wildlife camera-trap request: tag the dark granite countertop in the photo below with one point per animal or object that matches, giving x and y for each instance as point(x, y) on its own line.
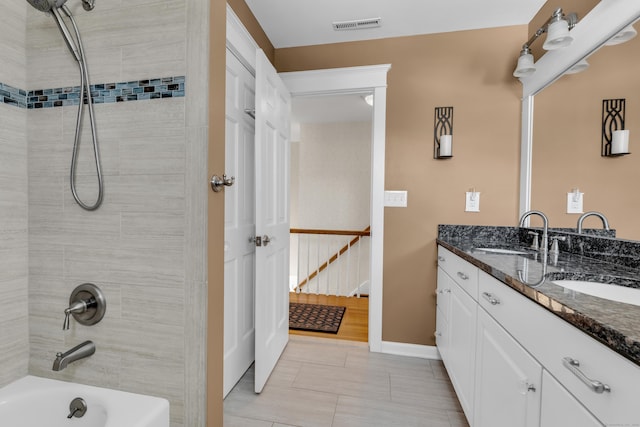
point(615, 324)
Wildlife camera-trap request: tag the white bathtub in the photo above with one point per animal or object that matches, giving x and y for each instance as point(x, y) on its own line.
point(34, 401)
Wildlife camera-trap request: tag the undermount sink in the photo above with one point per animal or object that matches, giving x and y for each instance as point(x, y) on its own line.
point(603, 290)
point(502, 251)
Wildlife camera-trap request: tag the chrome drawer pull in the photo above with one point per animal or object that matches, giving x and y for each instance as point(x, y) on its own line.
point(444, 291)
point(594, 385)
point(462, 275)
point(492, 300)
point(441, 258)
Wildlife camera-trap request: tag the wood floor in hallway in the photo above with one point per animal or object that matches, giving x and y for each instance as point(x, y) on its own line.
point(330, 383)
point(354, 326)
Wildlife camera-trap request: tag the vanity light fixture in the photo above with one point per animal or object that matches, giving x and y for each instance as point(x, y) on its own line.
point(615, 139)
point(625, 35)
point(579, 67)
point(443, 133)
point(557, 28)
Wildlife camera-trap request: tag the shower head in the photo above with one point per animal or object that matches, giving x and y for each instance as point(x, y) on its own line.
point(46, 5)
point(53, 7)
point(88, 4)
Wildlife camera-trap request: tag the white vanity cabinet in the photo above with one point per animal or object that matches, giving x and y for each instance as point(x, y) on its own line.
point(507, 381)
point(456, 323)
point(550, 340)
point(560, 408)
point(511, 367)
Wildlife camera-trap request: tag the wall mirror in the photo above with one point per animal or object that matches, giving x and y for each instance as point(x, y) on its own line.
point(561, 140)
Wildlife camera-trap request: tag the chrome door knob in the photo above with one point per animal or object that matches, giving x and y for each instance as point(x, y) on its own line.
point(217, 183)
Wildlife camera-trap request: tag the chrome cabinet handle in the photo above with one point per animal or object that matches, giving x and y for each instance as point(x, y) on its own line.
point(462, 275)
point(595, 385)
point(441, 258)
point(218, 183)
point(443, 291)
point(489, 297)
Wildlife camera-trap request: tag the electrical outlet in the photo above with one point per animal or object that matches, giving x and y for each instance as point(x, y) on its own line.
point(472, 201)
point(574, 202)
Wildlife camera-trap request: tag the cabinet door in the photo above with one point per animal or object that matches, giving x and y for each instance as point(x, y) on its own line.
point(443, 312)
point(507, 379)
point(462, 345)
point(560, 408)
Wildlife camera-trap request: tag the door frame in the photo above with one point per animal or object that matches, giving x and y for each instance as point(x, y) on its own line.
point(349, 80)
point(334, 81)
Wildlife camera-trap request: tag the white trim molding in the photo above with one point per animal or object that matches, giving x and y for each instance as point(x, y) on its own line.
point(411, 350)
point(240, 42)
point(371, 79)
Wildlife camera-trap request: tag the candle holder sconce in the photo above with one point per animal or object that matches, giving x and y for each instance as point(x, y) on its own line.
point(443, 133)
point(615, 140)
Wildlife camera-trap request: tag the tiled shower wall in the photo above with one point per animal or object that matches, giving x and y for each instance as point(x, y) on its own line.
point(145, 246)
point(14, 343)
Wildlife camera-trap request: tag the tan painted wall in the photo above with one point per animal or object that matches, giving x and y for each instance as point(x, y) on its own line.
point(567, 140)
point(470, 71)
point(215, 238)
point(252, 25)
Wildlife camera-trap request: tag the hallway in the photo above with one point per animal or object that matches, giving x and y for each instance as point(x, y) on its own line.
point(331, 383)
point(355, 323)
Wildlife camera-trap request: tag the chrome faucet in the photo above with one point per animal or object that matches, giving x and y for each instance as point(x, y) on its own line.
point(544, 244)
point(78, 352)
point(605, 223)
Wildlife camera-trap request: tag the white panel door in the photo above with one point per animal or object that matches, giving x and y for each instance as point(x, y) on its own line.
point(273, 107)
point(239, 199)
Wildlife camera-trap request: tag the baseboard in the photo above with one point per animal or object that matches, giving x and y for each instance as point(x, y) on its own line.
point(411, 350)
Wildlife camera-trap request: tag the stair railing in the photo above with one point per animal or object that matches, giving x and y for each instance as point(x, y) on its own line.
point(330, 262)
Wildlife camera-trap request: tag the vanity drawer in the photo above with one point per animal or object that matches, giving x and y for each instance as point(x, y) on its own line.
point(462, 272)
point(550, 340)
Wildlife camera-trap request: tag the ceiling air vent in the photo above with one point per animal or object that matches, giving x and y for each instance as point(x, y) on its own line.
point(359, 24)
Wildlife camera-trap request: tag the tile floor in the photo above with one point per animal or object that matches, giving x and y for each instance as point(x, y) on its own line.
point(330, 383)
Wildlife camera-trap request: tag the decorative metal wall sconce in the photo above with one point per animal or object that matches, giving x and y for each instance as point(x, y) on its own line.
point(615, 139)
point(443, 133)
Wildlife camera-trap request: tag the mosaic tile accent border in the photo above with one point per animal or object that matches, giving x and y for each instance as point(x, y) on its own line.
point(103, 93)
point(13, 96)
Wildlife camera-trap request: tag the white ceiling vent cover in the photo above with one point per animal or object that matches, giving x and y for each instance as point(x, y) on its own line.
point(359, 24)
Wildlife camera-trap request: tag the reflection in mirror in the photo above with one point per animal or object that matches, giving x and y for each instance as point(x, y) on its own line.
point(567, 134)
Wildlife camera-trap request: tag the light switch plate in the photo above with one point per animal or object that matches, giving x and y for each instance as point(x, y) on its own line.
point(472, 203)
point(574, 202)
point(397, 199)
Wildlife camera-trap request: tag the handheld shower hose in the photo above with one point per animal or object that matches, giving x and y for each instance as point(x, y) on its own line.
point(77, 50)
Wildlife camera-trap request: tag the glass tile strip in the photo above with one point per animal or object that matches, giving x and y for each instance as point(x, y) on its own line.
point(102, 93)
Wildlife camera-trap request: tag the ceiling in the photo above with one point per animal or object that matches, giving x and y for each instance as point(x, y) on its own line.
point(290, 23)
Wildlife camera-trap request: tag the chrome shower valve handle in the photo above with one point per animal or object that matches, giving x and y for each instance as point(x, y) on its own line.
point(87, 305)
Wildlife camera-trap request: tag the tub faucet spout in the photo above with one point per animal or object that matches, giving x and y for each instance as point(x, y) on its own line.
point(78, 352)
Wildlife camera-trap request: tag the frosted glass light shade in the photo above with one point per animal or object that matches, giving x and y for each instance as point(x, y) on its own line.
point(623, 36)
point(525, 66)
point(557, 35)
point(580, 66)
